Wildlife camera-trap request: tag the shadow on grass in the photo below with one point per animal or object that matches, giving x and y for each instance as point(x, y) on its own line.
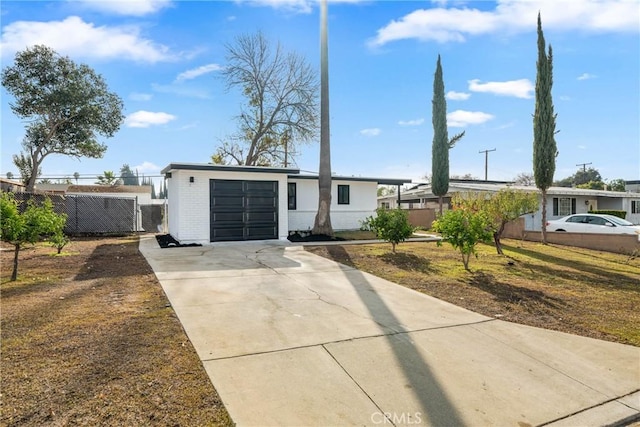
point(505, 292)
point(600, 277)
point(406, 261)
point(106, 261)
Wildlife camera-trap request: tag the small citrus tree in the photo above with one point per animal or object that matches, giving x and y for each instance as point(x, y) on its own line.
point(463, 229)
point(500, 208)
point(20, 228)
point(391, 225)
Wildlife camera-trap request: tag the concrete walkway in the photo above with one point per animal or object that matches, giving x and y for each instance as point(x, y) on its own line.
point(289, 338)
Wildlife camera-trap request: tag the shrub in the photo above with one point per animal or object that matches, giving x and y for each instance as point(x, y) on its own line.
point(35, 223)
point(391, 225)
point(619, 214)
point(464, 229)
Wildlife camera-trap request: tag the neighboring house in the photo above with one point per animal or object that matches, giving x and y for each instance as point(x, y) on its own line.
point(561, 201)
point(209, 203)
point(633, 186)
point(10, 185)
point(141, 192)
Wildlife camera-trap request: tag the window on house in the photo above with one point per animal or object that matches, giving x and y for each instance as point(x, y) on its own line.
point(635, 206)
point(291, 195)
point(563, 206)
point(385, 205)
point(343, 194)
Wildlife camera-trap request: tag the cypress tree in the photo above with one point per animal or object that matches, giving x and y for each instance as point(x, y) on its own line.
point(441, 142)
point(544, 126)
point(440, 146)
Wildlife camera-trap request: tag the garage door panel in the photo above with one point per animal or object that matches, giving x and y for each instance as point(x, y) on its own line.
point(232, 233)
point(260, 186)
point(223, 201)
point(261, 202)
point(227, 186)
point(219, 217)
point(254, 217)
point(243, 210)
point(256, 233)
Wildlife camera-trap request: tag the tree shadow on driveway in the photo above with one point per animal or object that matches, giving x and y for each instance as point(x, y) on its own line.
point(434, 402)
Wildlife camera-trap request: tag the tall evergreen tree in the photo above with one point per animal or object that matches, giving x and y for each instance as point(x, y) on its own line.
point(441, 142)
point(322, 224)
point(544, 126)
point(127, 176)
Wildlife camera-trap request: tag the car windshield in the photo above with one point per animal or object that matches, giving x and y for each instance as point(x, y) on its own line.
point(617, 221)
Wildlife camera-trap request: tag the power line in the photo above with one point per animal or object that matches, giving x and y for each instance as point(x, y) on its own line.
point(584, 166)
point(486, 162)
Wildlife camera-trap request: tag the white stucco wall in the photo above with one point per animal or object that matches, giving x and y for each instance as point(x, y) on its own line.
point(188, 205)
point(362, 203)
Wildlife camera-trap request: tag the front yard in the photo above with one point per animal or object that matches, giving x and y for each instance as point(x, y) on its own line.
point(580, 291)
point(88, 338)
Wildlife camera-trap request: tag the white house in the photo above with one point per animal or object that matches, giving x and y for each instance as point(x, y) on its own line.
point(561, 201)
point(210, 203)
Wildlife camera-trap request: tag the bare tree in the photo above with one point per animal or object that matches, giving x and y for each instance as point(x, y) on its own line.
point(281, 107)
point(525, 178)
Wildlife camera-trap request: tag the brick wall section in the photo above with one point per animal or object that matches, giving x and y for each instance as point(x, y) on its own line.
point(618, 243)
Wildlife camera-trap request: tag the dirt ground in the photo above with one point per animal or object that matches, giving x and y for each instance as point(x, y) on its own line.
point(89, 338)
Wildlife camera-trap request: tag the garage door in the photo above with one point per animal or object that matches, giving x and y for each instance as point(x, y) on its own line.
point(243, 210)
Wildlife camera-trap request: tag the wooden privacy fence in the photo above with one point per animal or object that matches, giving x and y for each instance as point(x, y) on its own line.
point(91, 214)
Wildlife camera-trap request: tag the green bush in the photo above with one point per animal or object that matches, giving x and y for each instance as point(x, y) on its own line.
point(464, 229)
point(619, 214)
point(390, 225)
point(35, 223)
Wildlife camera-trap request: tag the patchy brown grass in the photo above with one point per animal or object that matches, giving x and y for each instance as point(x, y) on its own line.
point(580, 291)
point(89, 338)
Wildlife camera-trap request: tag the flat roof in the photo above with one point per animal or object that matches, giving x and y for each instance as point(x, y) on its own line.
point(292, 173)
point(382, 181)
point(212, 167)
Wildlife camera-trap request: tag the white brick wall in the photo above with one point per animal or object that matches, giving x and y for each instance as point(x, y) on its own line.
point(362, 204)
point(189, 216)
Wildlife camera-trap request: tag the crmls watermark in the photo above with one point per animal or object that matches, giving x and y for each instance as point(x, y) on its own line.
point(406, 418)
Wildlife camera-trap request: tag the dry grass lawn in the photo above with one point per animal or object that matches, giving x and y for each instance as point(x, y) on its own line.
point(89, 338)
point(580, 291)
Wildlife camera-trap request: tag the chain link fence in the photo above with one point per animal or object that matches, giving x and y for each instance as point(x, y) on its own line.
point(91, 214)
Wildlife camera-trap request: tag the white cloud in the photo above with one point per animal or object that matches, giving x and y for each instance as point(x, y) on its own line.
point(457, 96)
point(197, 72)
point(457, 23)
point(370, 132)
point(522, 88)
point(586, 76)
point(461, 118)
point(296, 6)
point(582, 147)
point(128, 7)
point(146, 167)
point(565, 98)
point(138, 96)
point(144, 119)
point(74, 37)
point(416, 122)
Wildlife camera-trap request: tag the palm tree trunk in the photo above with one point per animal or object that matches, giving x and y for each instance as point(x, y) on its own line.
point(322, 224)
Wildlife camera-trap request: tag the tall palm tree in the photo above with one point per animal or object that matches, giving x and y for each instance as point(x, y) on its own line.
point(322, 224)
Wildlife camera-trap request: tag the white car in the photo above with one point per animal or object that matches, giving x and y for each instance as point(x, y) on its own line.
point(593, 223)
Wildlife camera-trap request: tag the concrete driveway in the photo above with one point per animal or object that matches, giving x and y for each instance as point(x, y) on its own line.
point(289, 338)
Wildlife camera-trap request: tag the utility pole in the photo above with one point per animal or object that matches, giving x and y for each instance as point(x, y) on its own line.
point(584, 166)
point(486, 162)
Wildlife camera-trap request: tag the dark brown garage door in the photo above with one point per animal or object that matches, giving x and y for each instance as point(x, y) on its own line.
point(243, 210)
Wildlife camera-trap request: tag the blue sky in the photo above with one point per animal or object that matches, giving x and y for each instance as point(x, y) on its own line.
point(164, 59)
